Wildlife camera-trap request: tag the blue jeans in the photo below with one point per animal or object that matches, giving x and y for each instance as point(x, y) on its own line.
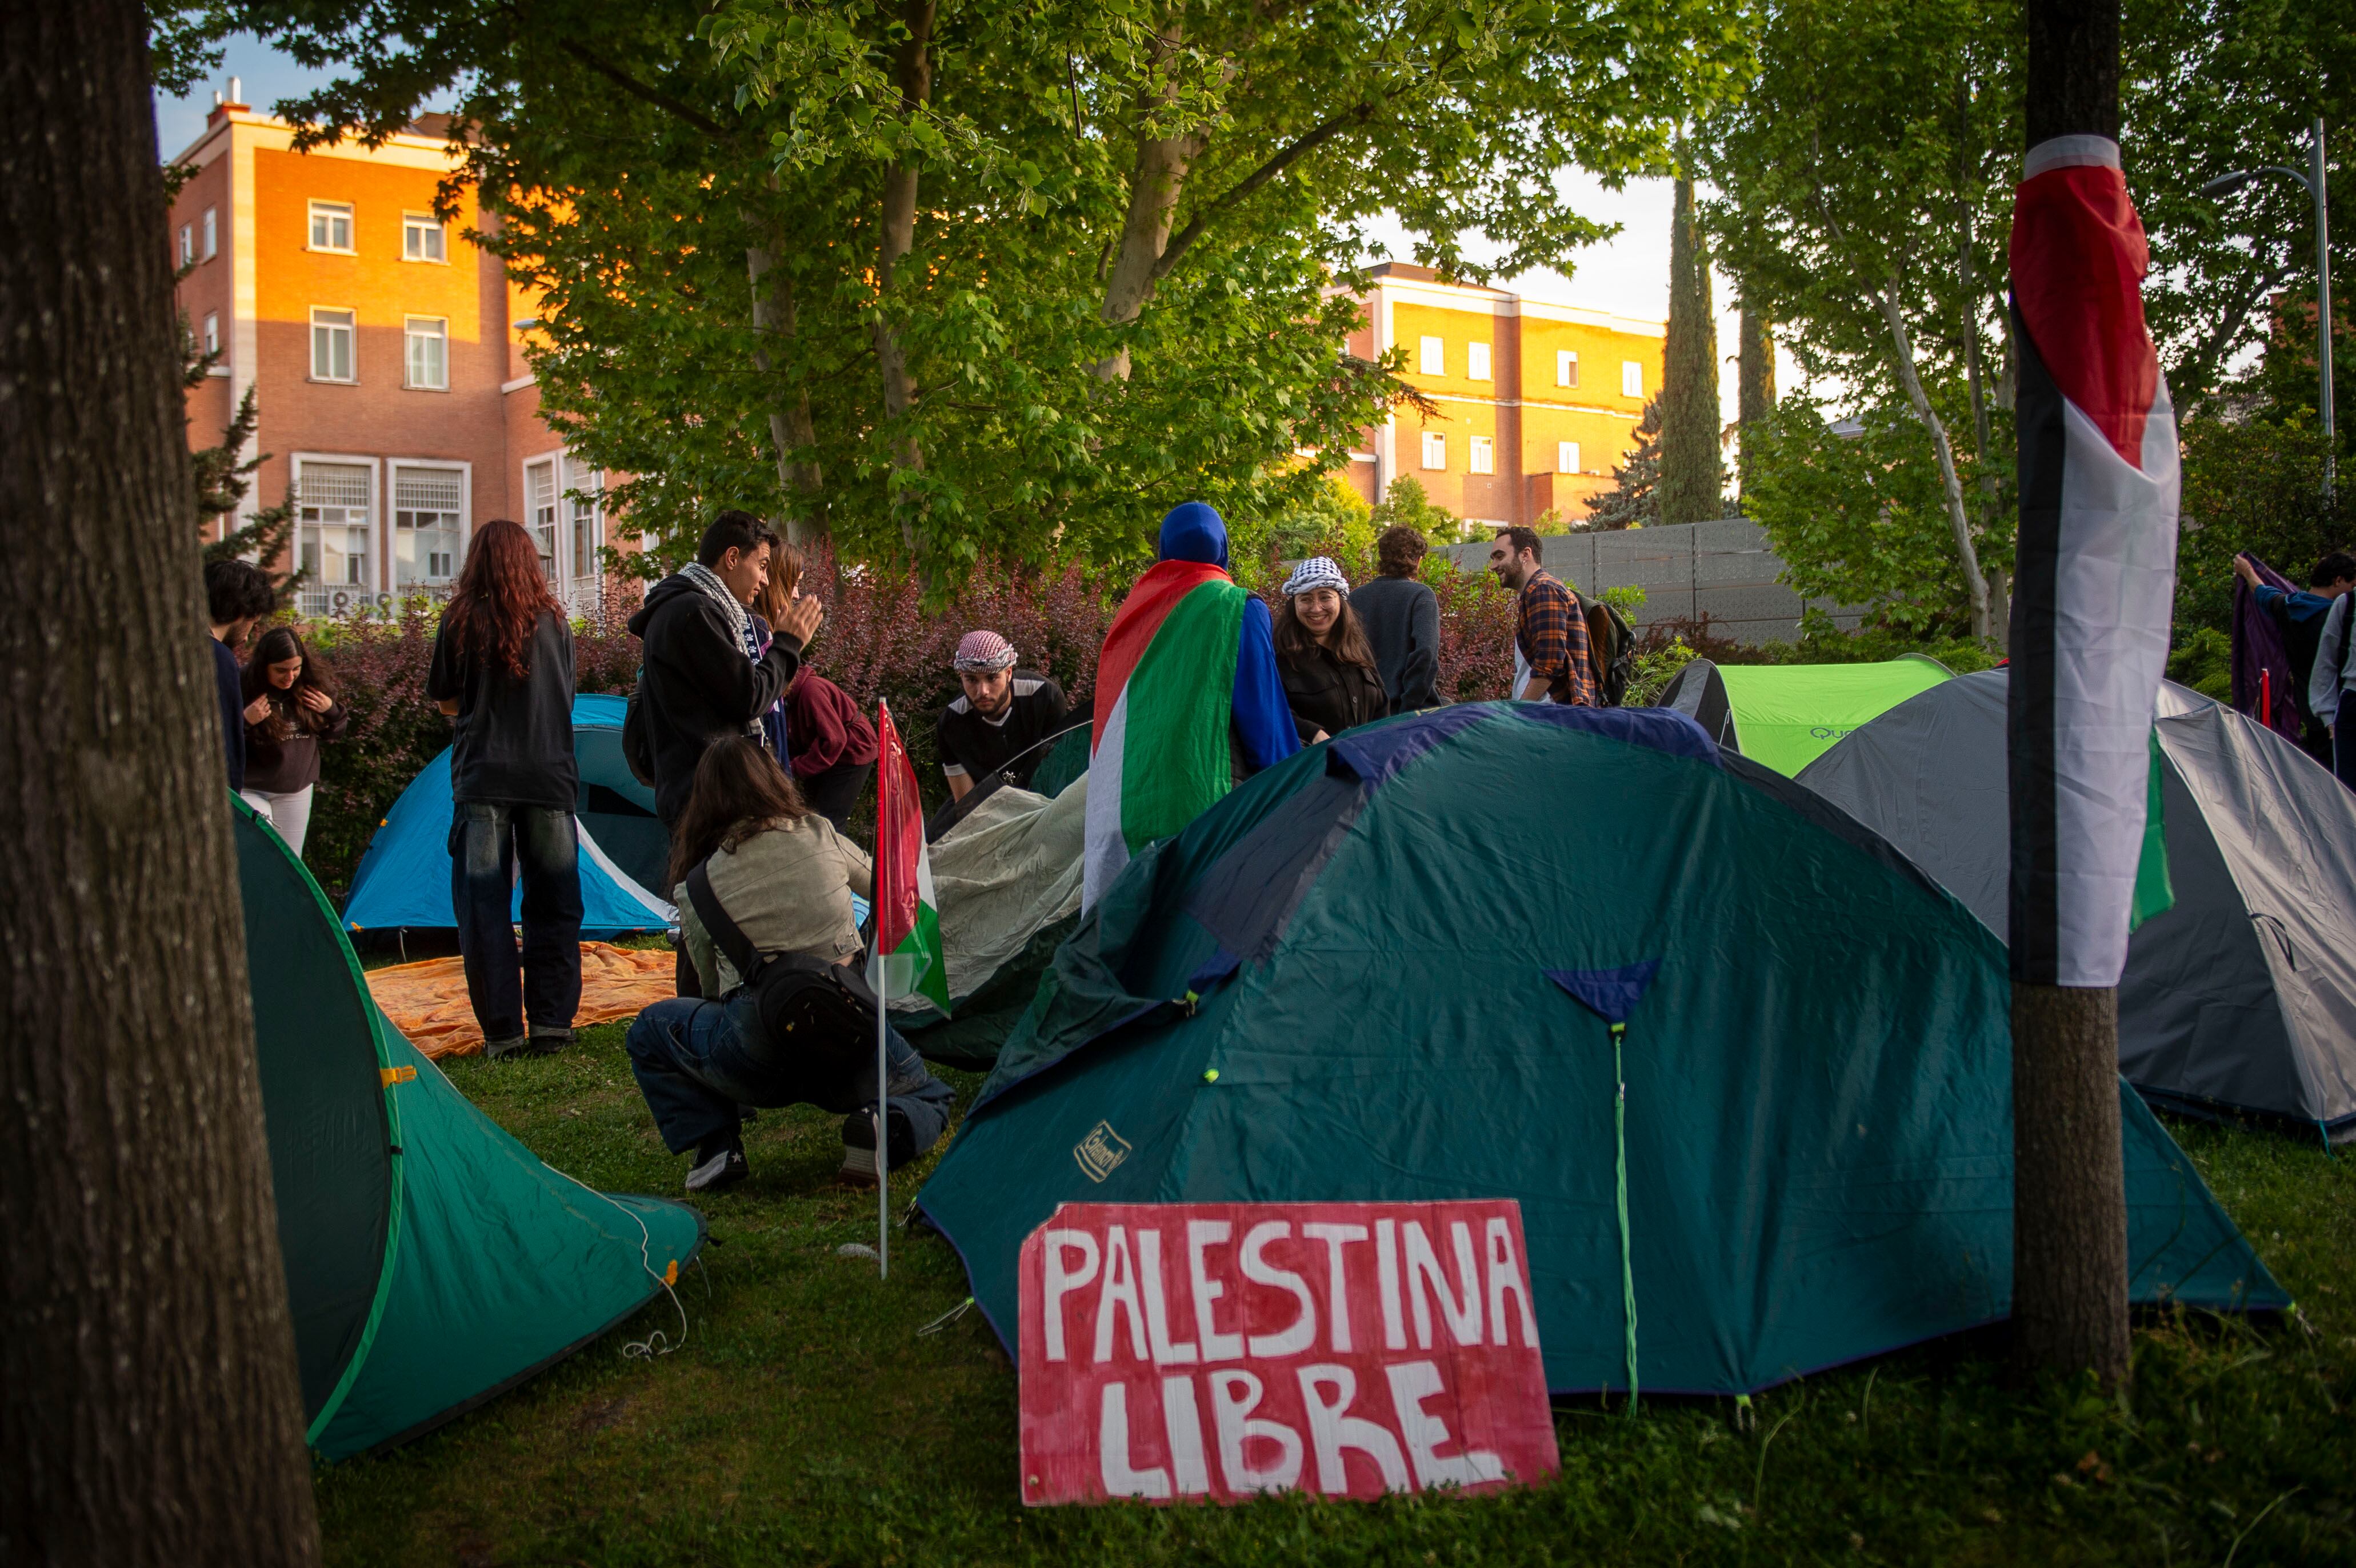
point(697, 1061)
point(490, 842)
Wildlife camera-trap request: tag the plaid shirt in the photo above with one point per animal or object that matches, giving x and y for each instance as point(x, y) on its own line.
point(1552, 636)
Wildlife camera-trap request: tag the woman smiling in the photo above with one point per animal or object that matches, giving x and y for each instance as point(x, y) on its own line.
point(1329, 673)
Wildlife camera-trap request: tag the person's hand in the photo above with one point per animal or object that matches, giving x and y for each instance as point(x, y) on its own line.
point(258, 710)
point(1321, 734)
point(2244, 570)
point(311, 697)
point(802, 618)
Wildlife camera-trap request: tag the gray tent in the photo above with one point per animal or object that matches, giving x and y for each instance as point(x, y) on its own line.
point(2240, 998)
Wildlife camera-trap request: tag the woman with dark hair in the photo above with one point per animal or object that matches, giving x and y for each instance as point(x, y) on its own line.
point(503, 667)
point(815, 732)
point(783, 587)
point(1329, 673)
point(290, 708)
point(785, 879)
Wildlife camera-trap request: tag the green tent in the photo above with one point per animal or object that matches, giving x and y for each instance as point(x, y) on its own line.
point(1383, 969)
point(431, 1260)
point(1785, 716)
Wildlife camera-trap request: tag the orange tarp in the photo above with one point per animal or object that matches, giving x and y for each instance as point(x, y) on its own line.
point(427, 1001)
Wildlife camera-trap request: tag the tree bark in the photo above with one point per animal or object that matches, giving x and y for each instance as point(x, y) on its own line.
point(1157, 178)
point(1959, 520)
point(2073, 87)
point(912, 74)
point(1691, 470)
point(2069, 1229)
point(152, 1412)
point(791, 428)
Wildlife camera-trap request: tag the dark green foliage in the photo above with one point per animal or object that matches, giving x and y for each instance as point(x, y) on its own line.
point(1634, 499)
point(1693, 476)
point(2257, 486)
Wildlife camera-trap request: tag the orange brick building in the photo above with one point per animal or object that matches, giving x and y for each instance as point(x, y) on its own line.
point(386, 355)
point(1537, 400)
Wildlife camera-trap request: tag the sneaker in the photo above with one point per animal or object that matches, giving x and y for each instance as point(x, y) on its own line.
point(548, 1042)
point(858, 1146)
point(499, 1050)
point(721, 1171)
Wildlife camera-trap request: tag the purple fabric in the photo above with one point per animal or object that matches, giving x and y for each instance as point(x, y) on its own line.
point(2259, 649)
point(1610, 993)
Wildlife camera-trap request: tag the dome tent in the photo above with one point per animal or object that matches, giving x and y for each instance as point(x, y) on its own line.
point(1784, 716)
point(431, 1260)
point(1376, 949)
point(404, 878)
point(2243, 995)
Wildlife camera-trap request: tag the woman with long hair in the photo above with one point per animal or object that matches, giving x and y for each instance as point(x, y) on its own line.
point(503, 669)
point(290, 709)
point(1330, 677)
point(785, 878)
point(769, 607)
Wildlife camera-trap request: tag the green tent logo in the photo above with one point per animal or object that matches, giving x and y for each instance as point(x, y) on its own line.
point(1100, 1152)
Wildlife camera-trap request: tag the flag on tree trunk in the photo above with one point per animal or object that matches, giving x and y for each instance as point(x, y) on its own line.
point(2096, 564)
point(907, 920)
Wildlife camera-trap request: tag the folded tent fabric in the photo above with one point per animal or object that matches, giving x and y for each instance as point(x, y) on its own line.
point(2262, 648)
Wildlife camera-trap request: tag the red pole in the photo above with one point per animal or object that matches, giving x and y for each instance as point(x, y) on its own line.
point(2266, 698)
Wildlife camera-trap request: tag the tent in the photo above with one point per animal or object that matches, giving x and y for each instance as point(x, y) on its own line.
point(2241, 997)
point(1373, 973)
point(404, 878)
point(1784, 716)
point(432, 1261)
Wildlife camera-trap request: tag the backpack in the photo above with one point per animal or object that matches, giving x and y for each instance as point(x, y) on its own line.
point(638, 750)
point(820, 1017)
point(1611, 648)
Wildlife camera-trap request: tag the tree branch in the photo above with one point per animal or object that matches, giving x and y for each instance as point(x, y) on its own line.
point(1300, 147)
point(643, 93)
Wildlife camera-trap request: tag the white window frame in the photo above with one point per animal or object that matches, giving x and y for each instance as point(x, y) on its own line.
point(1482, 459)
point(1435, 452)
point(1566, 458)
point(1632, 378)
point(1476, 362)
point(187, 244)
point(550, 533)
point(438, 331)
point(466, 472)
point(371, 591)
point(212, 232)
point(415, 224)
point(584, 582)
point(1431, 356)
point(331, 210)
point(212, 332)
point(350, 327)
point(1566, 367)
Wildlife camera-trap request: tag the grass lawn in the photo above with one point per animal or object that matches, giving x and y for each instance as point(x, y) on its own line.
point(804, 1420)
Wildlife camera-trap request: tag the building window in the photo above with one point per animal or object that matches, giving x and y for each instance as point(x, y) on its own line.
point(1484, 458)
point(331, 346)
point(187, 244)
point(427, 361)
point(1566, 456)
point(1476, 362)
point(1566, 368)
point(331, 542)
point(1434, 357)
point(1435, 449)
point(213, 233)
point(540, 505)
point(331, 226)
point(585, 527)
point(425, 520)
point(1632, 379)
point(212, 332)
point(420, 237)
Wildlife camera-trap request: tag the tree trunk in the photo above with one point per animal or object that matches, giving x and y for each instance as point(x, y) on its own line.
point(791, 429)
point(2069, 1225)
point(1157, 178)
point(913, 73)
point(152, 1412)
point(1959, 520)
point(1691, 487)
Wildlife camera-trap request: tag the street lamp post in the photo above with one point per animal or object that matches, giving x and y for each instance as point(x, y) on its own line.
point(2314, 181)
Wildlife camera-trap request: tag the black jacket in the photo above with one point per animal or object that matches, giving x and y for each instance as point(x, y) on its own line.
point(699, 685)
point(1401, 618)
point(1330, 693)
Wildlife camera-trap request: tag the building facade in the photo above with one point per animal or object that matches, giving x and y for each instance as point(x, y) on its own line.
point(385, 352)
point(1537, 401)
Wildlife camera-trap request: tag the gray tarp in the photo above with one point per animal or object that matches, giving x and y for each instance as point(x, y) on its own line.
point(2243, 996)
point(1003, 875)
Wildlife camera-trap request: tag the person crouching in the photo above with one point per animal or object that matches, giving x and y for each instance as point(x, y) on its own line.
point(784, 878)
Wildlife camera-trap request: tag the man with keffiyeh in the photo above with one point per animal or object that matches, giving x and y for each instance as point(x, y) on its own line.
point(1003, 722)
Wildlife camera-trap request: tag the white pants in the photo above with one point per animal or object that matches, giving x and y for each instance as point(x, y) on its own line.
point(290, 814)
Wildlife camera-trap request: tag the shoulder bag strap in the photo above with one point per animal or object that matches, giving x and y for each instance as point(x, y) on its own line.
point(725, 932)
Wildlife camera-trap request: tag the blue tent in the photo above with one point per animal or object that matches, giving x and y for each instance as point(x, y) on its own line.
point(404, 878)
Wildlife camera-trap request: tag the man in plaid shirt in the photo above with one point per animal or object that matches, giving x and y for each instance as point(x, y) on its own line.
point(1551, 662)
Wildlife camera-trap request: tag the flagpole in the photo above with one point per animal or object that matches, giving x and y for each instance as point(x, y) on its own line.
point(883, 967)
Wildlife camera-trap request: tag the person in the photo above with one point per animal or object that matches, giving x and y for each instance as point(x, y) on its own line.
point(2327, 685)
point(1002, 722)
point(1188, 700)
point(834, 746)
point(1552, 662)
point(1329, 678)
point(237, 597)
point(778, 595)
point(2301, 616)
point(290, 711)
point(703, 675)
point(502, 667)
point(785, 877)
point(1401, 620)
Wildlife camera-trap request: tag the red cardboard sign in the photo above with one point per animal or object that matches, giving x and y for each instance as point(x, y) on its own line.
point(1215, 1350)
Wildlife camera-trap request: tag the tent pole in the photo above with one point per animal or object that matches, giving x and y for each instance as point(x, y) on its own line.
point(883, 1123)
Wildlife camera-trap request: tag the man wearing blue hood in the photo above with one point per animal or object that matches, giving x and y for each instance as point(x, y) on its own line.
point(1188, 699)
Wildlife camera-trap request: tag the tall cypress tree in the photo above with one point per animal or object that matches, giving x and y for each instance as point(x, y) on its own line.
point(1754, 384)
point(1693, 477)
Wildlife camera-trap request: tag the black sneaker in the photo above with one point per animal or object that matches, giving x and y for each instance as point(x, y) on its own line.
point(858, 1146)
point(548, 1042)
point(721, 1171)
point(500, 1050)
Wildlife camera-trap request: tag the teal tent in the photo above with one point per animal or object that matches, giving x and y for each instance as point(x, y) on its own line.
point(1387, 968)
point(431, 1260)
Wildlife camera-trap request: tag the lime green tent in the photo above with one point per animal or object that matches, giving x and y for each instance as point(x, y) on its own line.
point(1785, 716)
point(431, 1260)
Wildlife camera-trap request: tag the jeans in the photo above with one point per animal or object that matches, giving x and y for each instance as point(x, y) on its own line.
point(2343, 749)
point(490, 842)
point(289, 814)
point(697, 1062)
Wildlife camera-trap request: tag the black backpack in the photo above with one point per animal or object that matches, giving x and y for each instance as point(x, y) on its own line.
point(820, 1017)
point(1611, 648)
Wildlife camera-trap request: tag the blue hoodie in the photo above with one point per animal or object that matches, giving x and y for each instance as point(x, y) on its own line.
point(1193, 531)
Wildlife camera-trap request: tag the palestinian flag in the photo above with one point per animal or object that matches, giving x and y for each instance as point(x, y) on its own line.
point(2096, 566)
point(1159, 754)
point(907, 917)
